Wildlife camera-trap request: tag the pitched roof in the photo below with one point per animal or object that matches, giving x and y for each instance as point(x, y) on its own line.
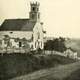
point(17, 25)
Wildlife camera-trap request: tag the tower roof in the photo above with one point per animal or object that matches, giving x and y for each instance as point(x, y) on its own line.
point(34, 3)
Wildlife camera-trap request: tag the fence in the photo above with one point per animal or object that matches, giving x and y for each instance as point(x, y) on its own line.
point(70, 55)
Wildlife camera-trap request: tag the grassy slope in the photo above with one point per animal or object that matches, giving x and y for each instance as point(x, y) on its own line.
point(67, 72)
point(13, 65)
point(74, 76)
point(62, 72)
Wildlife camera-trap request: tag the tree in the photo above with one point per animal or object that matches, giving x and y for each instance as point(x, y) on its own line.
point(57, 44)
point(48, 45)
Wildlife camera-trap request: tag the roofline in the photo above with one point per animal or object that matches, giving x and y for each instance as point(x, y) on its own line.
point(14, 19)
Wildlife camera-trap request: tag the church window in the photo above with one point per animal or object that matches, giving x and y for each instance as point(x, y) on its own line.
point(34, 8)
point(20, 44)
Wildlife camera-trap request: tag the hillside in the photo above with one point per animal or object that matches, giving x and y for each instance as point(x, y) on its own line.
point(13, 65)
point(62, 72)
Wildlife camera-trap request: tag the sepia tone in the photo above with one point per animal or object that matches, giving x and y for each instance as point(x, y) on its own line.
point(39, 47)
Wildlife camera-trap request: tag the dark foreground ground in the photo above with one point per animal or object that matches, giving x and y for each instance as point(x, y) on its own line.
point(16, 65)
point(62, 72)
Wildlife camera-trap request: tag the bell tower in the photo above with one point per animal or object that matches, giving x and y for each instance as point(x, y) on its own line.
point(34, 14)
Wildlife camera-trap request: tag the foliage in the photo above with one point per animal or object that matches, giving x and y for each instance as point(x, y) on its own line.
point(57, 44)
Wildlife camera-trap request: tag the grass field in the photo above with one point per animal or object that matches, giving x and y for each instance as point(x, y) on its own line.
point(14, 65)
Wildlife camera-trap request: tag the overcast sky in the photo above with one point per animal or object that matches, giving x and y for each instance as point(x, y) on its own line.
point(60, 17)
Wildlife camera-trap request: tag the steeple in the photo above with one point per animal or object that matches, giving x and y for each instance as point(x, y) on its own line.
point(34, 14)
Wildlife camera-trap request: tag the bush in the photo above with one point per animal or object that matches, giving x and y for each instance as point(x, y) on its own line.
point(56, 44)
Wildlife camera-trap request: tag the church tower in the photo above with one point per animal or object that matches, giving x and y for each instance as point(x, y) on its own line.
point(34, 14)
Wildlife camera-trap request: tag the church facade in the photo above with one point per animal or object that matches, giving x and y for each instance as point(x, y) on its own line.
point(21, 33)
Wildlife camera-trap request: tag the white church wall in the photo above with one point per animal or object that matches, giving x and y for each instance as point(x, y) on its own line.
point(17, 34)
point(38, 32)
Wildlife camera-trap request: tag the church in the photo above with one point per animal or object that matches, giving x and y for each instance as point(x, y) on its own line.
point(17, 33)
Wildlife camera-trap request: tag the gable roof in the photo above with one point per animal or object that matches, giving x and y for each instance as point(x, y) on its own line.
point(17, 25)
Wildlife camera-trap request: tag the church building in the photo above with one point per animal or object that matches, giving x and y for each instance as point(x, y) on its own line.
point(17, 32)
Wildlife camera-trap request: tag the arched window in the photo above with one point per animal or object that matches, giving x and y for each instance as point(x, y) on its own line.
point(20, 44)
point(34, 8)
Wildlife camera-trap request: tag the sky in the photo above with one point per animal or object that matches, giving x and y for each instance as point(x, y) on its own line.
point(60, 17)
